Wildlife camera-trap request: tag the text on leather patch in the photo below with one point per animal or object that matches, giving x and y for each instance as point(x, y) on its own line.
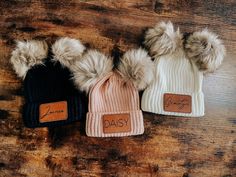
point(116, 123)
point(55, 111)
point(177, 103)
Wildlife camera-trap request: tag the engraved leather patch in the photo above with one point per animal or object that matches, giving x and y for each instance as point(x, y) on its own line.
point(177, 103)
point(55, 111)
point(116, 123)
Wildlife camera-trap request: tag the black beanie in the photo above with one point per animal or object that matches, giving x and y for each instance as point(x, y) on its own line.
point(51, 98)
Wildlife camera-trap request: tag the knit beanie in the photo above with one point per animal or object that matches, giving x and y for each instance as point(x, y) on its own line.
point(114, 107)
point(51, 98)
point(180, 65)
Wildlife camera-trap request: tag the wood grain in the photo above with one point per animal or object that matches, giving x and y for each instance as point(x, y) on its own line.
point(170, 146)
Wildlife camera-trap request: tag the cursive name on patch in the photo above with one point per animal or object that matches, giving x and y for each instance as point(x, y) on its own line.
point(55, 111)
point(177, 103)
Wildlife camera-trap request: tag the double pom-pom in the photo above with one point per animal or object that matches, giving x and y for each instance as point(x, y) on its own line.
point(135, 66)
point(204, 47)
point(28, 54)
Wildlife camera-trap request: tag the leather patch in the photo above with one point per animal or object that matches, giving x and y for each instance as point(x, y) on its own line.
point(116, 123)
point(177, 103)
point(55, 111)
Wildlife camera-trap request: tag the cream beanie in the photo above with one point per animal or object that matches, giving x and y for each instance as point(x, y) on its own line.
point(114, 107)
point(180, 65)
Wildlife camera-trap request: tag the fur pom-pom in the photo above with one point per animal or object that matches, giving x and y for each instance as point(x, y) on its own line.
point(136, 66)
point(27, 54)
point(162, 39)
point(205, 49)
point(90, 68)
point(67, 51)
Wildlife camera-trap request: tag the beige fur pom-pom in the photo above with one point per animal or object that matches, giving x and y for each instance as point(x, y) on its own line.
point(205, 49)
point(67, 51)
point(136, 66)
point(27, 54)
point(90, 68)
point(162, 39)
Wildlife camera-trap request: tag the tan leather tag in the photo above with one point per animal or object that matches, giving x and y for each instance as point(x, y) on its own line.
point(116, 123)
point(55, 111)
point(177, 103)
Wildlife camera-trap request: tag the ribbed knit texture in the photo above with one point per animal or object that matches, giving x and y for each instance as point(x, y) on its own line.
point(50, 83)
point(177, 75)
point(111, 95)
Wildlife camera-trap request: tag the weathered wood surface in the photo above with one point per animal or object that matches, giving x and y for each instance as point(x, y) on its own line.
point(170, 146)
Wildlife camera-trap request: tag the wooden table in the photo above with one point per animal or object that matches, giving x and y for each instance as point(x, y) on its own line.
point(170, 146)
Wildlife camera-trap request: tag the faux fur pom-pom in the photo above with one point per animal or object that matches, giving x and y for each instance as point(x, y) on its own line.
point(206, 49)
point(27, 54)
point(162, 39)
point(67, 51)
point(136, 66)
point(90, 68)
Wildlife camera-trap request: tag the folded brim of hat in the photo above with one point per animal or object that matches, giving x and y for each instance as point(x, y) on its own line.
point(54, 112)
point(114, 124)
point(176, 103)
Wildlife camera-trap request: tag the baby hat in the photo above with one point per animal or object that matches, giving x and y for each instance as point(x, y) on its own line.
point(51, 98)
point(113, 105)
point(179, 68)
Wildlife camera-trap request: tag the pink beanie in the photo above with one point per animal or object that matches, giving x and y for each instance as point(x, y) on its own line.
point(114, 107)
